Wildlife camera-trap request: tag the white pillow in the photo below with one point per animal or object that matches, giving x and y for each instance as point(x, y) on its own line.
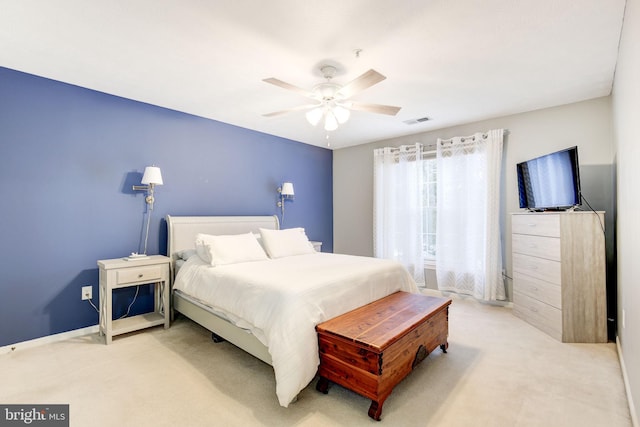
point(201, 249)
point(185, 254)
point(288, 242)
point(229, 249)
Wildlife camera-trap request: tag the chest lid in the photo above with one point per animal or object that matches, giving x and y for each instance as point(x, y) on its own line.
point(381, 323)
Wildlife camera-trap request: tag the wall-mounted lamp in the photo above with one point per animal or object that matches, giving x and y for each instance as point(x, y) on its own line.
point(286, 192)
point(151, 177)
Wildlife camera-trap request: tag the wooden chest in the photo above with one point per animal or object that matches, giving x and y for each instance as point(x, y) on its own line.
point(372, 348)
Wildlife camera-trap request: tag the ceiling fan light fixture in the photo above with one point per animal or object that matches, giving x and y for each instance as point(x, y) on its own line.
point(341, 114)
point(314, 116)
point(330, 121)
point(332, 105)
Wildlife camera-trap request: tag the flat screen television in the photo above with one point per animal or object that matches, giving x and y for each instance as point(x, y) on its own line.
point(550, 182)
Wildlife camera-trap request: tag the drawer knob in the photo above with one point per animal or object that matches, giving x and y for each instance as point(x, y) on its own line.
point(140, 275)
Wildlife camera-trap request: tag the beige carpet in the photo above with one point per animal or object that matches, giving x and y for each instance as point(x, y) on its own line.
point(499, 371)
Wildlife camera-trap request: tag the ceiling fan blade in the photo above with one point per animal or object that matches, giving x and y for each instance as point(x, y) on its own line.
point(359, 84)
point(373, 108)
point(289, 86)
point(290, 110)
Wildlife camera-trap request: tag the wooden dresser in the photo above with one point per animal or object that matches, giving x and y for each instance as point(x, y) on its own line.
point(559, 279)
point(372, 348)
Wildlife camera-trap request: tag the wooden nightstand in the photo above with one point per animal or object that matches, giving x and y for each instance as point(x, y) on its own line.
point(121, 273)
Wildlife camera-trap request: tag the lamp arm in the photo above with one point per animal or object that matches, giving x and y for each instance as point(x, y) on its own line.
point(150, 199)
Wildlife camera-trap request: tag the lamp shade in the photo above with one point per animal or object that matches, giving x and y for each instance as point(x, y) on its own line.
point(287, 189)
point(314, 115)
point(330, 121)
point(152, 175)
point(341, 113)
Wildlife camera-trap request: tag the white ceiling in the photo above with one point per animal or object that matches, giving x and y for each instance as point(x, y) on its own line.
point(452, 61)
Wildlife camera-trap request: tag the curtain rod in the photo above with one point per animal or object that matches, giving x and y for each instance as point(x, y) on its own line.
point(505, 132)
point(432, 149)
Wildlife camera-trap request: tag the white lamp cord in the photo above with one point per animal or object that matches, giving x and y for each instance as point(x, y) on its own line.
point(150, 200)
point(282, 208)
point(146, 234)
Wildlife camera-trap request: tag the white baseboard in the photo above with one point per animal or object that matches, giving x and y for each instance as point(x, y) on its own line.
point(627, 387)
point(49, 339)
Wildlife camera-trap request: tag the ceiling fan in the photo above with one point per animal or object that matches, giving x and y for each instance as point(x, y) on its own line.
point(332, 100)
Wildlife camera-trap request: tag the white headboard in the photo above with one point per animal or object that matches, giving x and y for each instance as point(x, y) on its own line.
point(182, 230)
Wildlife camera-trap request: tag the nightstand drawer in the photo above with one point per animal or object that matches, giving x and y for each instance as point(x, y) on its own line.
point(540, 268)
point(540, 246)
point(139, 274)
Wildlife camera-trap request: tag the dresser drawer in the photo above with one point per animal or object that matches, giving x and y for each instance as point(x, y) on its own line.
point(139, 274)
point(540, 268)
point(536, 224)
point(546, 292)
point(539, 314)
point(539, 246)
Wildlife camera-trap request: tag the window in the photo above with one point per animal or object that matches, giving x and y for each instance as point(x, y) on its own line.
point(429, 204)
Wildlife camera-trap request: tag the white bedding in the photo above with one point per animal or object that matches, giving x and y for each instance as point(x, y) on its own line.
point(281, 300)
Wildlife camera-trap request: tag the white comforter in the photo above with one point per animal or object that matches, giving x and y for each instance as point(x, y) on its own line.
point(282, 300)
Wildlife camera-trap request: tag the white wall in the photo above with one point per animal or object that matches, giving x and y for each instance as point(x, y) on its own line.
point(626, 108)
point(586, 124)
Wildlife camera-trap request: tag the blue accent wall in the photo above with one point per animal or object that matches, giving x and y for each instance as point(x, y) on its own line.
point(68, 159)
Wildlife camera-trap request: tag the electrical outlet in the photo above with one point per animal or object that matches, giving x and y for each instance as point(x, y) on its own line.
point(623, 318)
point(87, 292)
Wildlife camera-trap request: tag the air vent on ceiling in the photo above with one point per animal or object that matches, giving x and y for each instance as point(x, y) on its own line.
point(416, 121)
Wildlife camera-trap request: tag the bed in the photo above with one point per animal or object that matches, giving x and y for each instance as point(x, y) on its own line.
point(269, 306)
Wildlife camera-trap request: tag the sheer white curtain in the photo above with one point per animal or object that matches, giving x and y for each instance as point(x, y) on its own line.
point(468, 248)
point(398, 205)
